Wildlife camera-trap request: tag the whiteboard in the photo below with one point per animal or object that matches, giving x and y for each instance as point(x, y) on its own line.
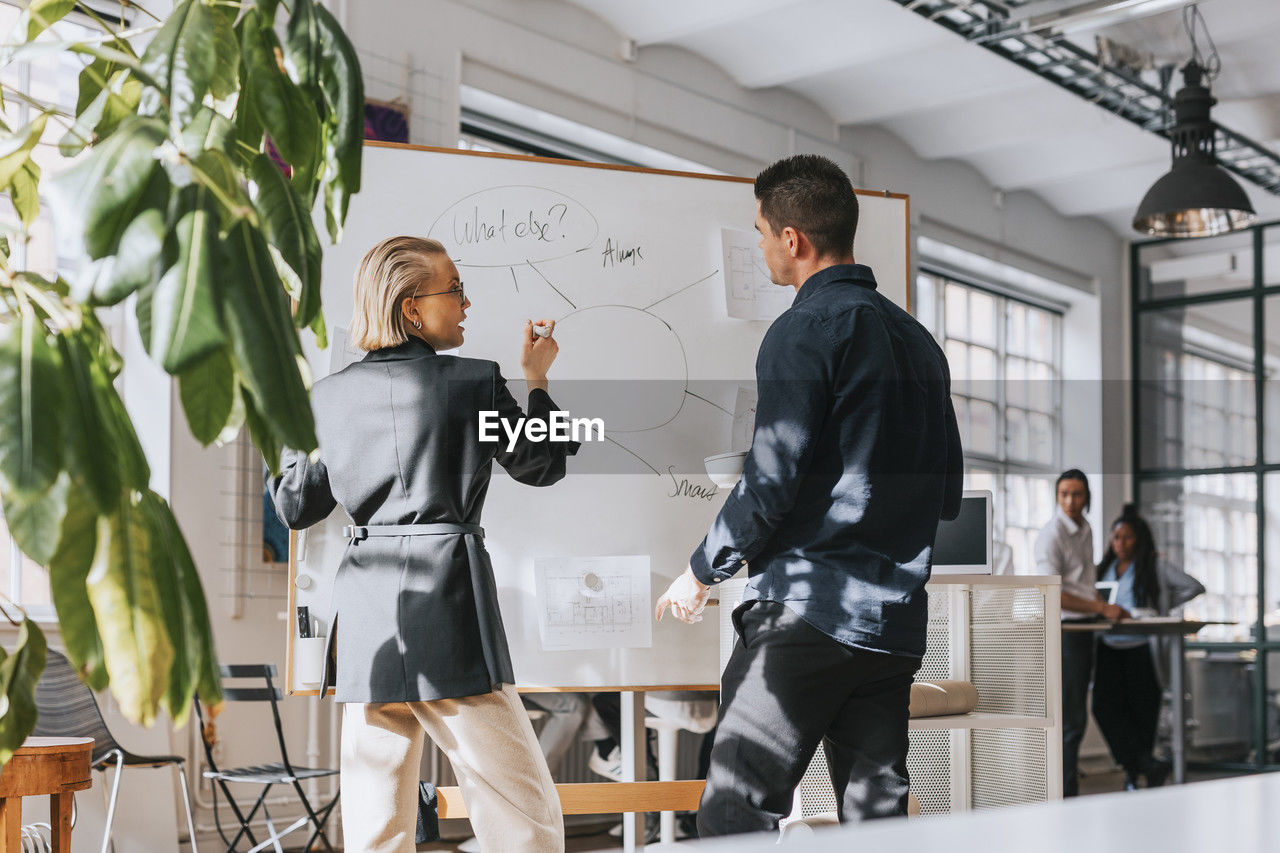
point(629, 263)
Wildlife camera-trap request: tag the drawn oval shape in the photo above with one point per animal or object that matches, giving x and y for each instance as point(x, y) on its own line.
point(621, 364)
point(511, 225)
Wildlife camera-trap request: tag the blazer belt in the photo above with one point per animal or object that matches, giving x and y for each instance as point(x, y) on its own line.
point(356, 533)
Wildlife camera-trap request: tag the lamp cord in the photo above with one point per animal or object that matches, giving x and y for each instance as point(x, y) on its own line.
point(1194, 22)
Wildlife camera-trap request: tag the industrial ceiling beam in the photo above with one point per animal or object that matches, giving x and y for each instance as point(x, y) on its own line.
point(1050, 56)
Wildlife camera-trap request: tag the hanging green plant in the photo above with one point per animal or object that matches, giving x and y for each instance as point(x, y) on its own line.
point(175, 202)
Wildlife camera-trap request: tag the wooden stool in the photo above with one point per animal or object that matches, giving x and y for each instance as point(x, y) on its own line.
point(56, 766)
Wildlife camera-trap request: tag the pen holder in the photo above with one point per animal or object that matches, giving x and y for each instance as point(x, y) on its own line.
point(308, 660)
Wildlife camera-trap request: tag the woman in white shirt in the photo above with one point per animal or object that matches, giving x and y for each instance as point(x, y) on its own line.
point(1065, 548)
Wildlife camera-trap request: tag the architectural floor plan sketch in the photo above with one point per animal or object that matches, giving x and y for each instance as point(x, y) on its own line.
point(749, 294)
point(593, 602)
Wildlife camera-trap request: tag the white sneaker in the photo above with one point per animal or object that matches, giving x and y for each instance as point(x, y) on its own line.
point(610, 767)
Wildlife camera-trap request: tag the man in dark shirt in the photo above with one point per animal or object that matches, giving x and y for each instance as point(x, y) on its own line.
point(856, 455)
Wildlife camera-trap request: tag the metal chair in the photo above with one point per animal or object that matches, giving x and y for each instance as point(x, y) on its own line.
point(68, 708)
point(267, 775)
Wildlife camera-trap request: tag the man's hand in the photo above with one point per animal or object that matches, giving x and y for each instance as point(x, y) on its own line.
point(1114, 612)
point(687, 596)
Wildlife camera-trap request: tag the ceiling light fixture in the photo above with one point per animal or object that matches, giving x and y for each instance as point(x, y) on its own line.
point(1196, 197)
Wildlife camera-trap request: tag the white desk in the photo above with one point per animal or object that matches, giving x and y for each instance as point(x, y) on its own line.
point(1237, 815)
point(1178, 629)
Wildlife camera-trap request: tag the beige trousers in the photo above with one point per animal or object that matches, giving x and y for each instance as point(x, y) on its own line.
point(490, 743)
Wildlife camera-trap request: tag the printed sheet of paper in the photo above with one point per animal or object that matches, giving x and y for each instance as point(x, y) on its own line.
point(341, 353)
point(593, 602)
point(748, 292)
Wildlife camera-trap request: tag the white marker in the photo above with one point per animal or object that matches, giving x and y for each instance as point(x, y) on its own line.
point(542, 331)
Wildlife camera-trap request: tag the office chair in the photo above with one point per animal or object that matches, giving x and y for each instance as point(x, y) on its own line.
point(281, 772)
point(68, 708)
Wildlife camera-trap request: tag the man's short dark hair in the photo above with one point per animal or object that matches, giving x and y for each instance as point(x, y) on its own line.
point(812, 195)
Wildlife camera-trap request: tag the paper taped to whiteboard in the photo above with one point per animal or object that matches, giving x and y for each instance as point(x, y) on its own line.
point(593, 602)
point(749, 293)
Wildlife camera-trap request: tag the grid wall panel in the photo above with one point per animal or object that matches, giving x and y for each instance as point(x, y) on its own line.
point(1009, 767)
point(816, 794)
point(1008, 650)
point(929, 763)
point(936, 665)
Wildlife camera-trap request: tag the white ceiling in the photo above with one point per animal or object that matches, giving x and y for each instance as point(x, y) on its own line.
point(872, 62)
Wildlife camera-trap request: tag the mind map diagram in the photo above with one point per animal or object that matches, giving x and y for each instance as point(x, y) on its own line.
point(529, 232)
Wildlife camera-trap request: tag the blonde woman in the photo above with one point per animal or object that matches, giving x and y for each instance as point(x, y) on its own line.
point(418, 636)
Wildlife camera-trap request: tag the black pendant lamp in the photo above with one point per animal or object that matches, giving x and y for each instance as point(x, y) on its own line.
point(1197, 197)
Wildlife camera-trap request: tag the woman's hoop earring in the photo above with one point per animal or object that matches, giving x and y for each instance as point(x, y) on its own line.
point(417, 324)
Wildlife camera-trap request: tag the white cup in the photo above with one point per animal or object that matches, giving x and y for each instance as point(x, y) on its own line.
point(308, 660)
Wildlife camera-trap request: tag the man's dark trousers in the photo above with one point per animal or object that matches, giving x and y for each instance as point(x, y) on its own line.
point(1077, 672)
point(787, 688)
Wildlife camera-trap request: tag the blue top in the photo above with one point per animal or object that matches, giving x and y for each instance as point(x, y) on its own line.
point(1126, 599)
point(855, 457)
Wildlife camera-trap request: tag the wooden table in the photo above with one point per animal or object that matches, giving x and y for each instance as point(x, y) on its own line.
point(56, 766)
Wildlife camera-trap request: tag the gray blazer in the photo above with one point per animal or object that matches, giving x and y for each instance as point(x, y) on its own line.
point(399, 444)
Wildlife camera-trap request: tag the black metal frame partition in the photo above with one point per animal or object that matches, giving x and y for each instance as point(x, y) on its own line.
point(1258, 293)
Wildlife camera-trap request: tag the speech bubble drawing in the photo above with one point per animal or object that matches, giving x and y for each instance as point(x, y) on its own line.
point(506, 226)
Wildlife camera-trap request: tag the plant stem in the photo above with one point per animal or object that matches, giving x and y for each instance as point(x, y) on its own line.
point(5, 610)
point(45, 108)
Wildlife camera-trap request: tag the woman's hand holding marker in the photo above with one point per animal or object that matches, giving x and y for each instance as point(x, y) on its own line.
point(538, 350)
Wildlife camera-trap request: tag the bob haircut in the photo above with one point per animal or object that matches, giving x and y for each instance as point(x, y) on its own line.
point(391, 272)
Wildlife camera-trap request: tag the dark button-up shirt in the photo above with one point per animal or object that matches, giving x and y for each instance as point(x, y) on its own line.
point(855, 457)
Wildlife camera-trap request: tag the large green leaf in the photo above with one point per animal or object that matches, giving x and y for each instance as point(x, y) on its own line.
point(86, 425)
point(96, 76)
point(34, 519)
point(185, 321)
point(267, 442)
point(263, 339)
point(281, 107)
point(68, 581)
point(185, 612)
point(226, 46)
point(109, 94)
point(343, 86)
point(165, 557)
point(136, 261)
point(19, 672)
point(31, 400)
point(118, 432)
point(302, 49)
point(291, 230)
point(122, 588)
point(15, 147)
point(24, 192)
point(183, 58)
point(208, 130)
point(208, 392)
point(97, 199)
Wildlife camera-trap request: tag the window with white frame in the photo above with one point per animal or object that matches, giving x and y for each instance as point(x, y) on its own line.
point(1006, 369)
point(50, 79)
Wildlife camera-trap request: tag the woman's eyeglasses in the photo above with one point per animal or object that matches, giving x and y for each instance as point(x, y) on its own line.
point(460, 290)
